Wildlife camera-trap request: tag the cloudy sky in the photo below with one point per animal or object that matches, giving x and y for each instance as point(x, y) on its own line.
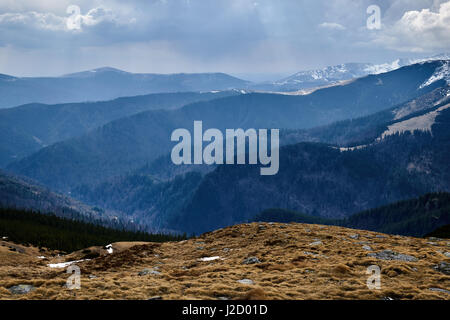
point(241, 37)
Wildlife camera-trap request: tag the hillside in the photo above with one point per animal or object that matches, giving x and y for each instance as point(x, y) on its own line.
point(28, 128)
point(249, 261)
point(126, 144)
point(323, 180)
point(106, 84)
point(415, 217)
point(16, 192)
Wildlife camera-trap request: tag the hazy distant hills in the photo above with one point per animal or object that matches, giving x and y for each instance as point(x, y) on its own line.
point(130, 142)
point(109, 83)
point(28, 128)
point(106, 84)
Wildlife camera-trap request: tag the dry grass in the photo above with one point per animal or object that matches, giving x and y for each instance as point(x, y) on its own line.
point(290, 267)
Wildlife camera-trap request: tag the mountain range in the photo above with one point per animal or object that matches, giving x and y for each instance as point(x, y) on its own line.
point(110, 83)
point(106, 84)
point(128, 143)
point(28, 128)
point(346, 148)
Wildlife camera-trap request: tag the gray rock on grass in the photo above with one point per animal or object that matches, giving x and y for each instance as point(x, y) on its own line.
point(391, 255)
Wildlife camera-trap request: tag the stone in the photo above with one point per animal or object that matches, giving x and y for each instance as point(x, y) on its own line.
point(315, 243)
point(447, 254)
point(147, 271)
point(21, 289)
point(435, 239)
point(366, 247)
point(155, 298)
point(251, 260)
point(391, 255)
point(379, 236)
point(440, 290)
point(354, 236)
point(144, 272)
point(443, 267)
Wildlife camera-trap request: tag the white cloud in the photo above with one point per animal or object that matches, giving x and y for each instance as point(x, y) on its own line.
point(332, 26)
point(419, 31)
point(51, 21)
point(46, 21)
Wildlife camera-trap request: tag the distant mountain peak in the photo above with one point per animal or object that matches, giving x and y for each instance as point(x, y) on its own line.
point(93, 72)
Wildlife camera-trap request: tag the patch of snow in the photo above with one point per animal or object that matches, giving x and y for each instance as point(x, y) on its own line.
point(41, 257)
point(422, 123)
point(209, 258)
point(441, 73)
point(342, 149)
point(383, 68)
point(65, 264)
point(109, 248)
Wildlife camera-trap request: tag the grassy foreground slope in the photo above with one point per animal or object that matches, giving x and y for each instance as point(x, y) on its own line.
point(248, 261)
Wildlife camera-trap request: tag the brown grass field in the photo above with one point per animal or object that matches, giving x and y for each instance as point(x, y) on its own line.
point(296, 261)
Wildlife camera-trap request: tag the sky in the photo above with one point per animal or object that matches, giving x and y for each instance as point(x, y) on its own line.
point(249, 38)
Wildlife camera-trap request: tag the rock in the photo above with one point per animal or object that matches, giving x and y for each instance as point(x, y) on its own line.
point(251, 260)
point(200, 248)
point(435, 239)
point(226, 249)
point(261, 227)
point(144, 272)
point(155, 298)
point(91, 276)
point(246, 281)
point(21, 289)
point(354, 236)
point(147, 271)
point(379, 236)
point(316, 243)
point(311, 254)
point(366, 247)
point(443, 267)
point(440, 290)
point(391, 255)
point(447, 254)
point(224, 298)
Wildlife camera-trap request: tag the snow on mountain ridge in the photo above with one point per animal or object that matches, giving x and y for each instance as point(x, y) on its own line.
point(441, 73)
